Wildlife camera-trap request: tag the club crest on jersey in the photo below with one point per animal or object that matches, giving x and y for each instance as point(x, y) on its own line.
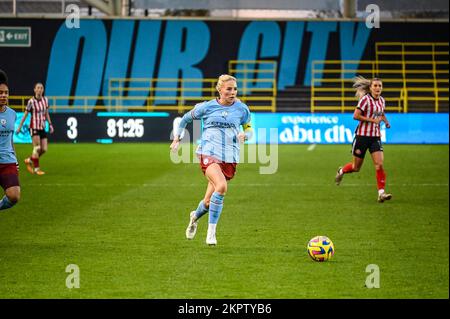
point(3, 122)
point(224, 114)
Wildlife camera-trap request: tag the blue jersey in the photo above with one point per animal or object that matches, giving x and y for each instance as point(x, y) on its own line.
point(221, 125)
point(7, 122)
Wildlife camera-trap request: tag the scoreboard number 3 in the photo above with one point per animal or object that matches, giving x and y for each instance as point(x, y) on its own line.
point(72, 132)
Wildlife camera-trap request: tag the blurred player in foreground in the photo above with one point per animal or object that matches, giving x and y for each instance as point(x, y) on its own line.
point(9, 167)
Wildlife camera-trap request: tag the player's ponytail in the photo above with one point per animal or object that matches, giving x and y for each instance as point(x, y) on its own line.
point(3, 78)
point(362, 85)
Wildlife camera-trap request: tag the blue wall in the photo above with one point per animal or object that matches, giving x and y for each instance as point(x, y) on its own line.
point(82, 61)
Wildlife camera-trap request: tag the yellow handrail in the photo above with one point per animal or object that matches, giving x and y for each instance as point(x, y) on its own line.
point(147, 94)
point(404, 80)
point(252, 67)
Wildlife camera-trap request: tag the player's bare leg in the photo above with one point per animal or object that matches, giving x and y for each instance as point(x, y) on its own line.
point(201, 210)
point(378, 159)
point(29, 161)
point(354, 166)
point(208, 194)
point(218, 180)
point(36, 154)
point(44, 147)
point(12, 196)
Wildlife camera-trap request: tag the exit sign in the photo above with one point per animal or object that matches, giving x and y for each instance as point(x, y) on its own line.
point(15, 36)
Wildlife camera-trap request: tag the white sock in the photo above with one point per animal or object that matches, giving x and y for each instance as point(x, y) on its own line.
point(380, 191)
point(212, 228)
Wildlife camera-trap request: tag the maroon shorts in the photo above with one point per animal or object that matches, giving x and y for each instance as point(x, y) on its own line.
point(228, 169)
point(9, 176)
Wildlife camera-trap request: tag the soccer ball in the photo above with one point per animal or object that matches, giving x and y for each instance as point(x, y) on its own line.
point(320, 248)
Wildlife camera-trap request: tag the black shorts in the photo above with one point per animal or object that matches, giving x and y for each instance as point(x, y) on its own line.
point(40, 133)
point(363, 143)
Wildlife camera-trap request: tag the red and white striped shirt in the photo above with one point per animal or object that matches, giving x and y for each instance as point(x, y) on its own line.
point(371, 108)
point(38, 110)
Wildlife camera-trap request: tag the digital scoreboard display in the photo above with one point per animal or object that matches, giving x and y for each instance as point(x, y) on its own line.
point(105, 127)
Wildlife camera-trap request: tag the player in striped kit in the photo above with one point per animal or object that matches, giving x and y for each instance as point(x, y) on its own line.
point(219, 149)
point(9, 168)
point(369, 113)
point(38, 107)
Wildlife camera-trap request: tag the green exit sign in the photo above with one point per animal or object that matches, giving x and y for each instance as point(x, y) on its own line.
point(15, 36)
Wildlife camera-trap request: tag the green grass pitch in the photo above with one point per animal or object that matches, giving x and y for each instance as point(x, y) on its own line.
point(119, 212)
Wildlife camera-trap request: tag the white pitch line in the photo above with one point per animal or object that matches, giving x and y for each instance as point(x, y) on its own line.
point(232, 185)
point(312, 147)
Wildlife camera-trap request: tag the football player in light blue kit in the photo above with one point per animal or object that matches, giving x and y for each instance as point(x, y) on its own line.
point(9, 175)
point(219, 149)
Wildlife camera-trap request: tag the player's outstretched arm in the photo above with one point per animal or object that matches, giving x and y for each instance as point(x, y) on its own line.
point(385, 120)
point(247, 134)
point(195, 114)
point(24, 117)
point(174, 145)
point(185, 120)
point(47, 115)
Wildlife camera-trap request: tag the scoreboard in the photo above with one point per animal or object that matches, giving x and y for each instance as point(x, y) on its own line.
point(105, 127)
